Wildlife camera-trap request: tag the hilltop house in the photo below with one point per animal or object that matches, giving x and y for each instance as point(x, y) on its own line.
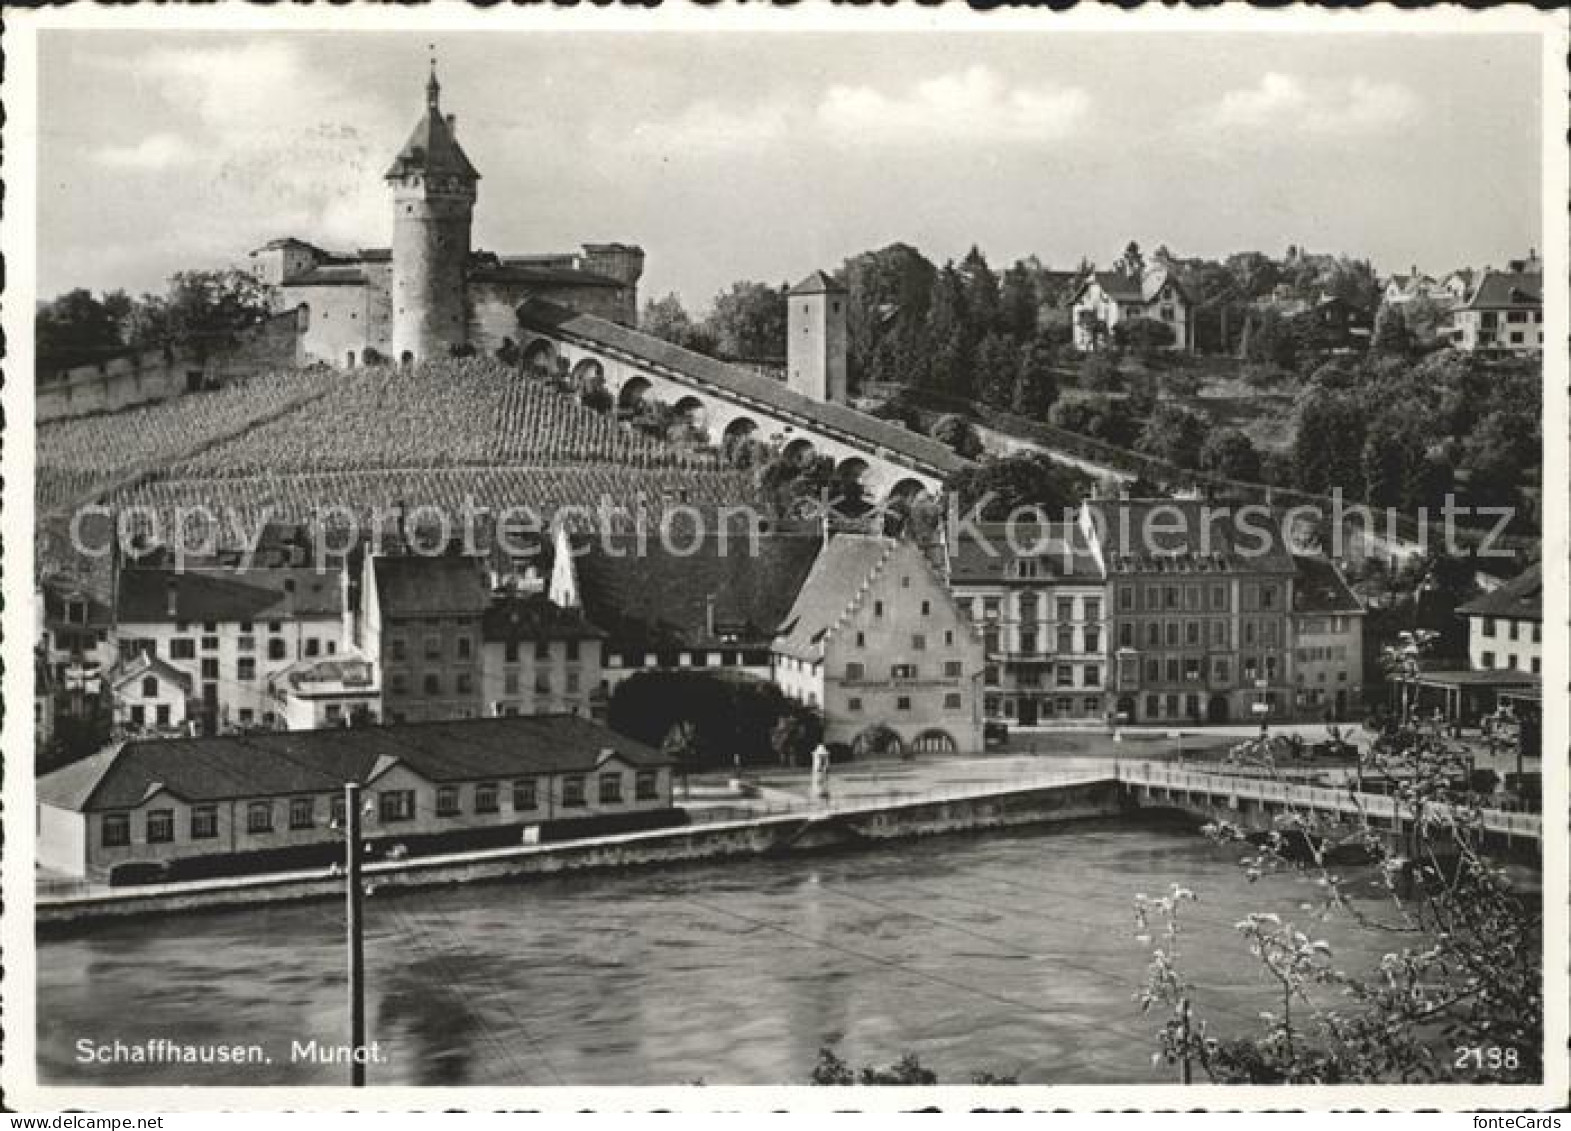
point(1401, 289)
point(1504, 314)
point(1106, 298)
point(181, 808)
point(875, 640)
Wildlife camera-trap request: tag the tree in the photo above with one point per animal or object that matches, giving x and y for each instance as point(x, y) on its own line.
point(997, 366)
point(749, 321)
point(1018, 300)
point(832, 1071)
point(1036, 385)
point(1328, 444)
point(1144, 337)
point(1391, 335)
point(1464, 968)
point(797, 731)
point(1132, 262)
point(77, 327)
point(1395, 464)
point(1498, 455)
point(1174, 433)
point(890, 295)
point(1001, 486)
point(1101, 418)
point(1231, 454)
point(1099, 374)
point(666, 318)
point(204, 311)
point(959, 434)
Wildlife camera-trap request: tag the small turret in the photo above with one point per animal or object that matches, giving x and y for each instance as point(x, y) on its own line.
point(816, 338)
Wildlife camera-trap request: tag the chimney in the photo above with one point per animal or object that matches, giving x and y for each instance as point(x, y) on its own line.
point(172, 597)
point(452, 124)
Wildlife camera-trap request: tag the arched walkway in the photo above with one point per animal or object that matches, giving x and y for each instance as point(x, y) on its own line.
point(696, 413)
point(588, 375)
point(633, 393)
point(852, 469)
point(877, 741)
point(907, 489)
point(540, 357)
point(799, 451)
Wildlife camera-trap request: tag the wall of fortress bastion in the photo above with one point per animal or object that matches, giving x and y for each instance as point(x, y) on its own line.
point(131, 379)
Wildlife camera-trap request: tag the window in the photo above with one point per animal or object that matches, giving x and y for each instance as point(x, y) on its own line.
point(433, 647)
point(1064, 675)
point(302, 812)
point(1191, 667)
point(1093, 675)
point(573, 791)
point(903, 703)
point(990, 640)
point(1066, 609)
point(182, 648)
point(313, 646)
point(245, 669)
point(1219, 633)
point(853, 672)
point(210, 669)
point(1093, 639)
point(861, 640)
point(1028, 641)
point(462, 647)
point(542, 683)
point(572, 683)
point(1028, 607)
point(572, 651)
point(952, 701)
point(854, 703)
point(163, 714)
point(209, 643)
point(1170, 597)
point(1511, 627)
point(646, 786)
point(116, 830)
point(952, 669)
point(542, 649)
point(1192, 597)
point(395, 805)
point(1268, 596)
point(1153, 634)
point(275, 626)
point(1172, 634)
point(432, 683)
point(526, 795)
point(902, 671)
point(1488, 659)
point(878, 608)
point(1126, 598)
point(1066, 640)
point(399, 648)
point(1153, 597)
point(918, 642)
point(510, 683)
point(1219, 597)
point(277, 649)
point(447, 801)
point(1126, 635)
point(465, 683)
point(398, 683)
point(245, 644)
point(160, 826)
point(1153, 669)
point(259, 817)
point(611, 789)
point(927, 608)
point(204, 822)
point(510, 652)
point(150, 687)
point(1093, 608)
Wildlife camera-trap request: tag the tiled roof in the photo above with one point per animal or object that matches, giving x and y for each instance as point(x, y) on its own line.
point(818, 283)
point(534, 617)
point(1521, 598)
point(1507, 290)
point(1059, 549)
point(228, 595)
point(1177, 536)
point(284, 763)
point(415, 585)
point(834, 587)
point(1319, 588)
point(58, 592)
point(1115, 284)
point(142, 664)
point(863, 430)
point(661, 600)
point(432, 150)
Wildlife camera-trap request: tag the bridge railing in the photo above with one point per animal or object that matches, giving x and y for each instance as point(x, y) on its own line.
point(1527, 825)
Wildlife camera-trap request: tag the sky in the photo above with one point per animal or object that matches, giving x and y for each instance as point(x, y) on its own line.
point(766, 155)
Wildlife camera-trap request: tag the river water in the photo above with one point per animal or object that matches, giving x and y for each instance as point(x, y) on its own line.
point(1008, 951)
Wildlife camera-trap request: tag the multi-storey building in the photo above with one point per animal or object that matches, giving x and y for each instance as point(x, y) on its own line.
point(230, 631)
point(1328, 642)
point(334, 691)
point(1037, 594)
point(1106, 298)
point(1504, 314)
point(1505, 626)
point(538, 658)
point(420, 619)
point(876, 641)
point(1200, 611)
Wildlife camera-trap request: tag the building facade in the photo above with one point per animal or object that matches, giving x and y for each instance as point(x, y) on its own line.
point(876, 641)
point(336, 691)
point(1505, 627)
point(538, 659)
point(816, 338)
point(1199, 615)
point(1328, 643)
point(1038, 596)
point(229, 631)
point(1107, 298)
point(1504, 315)
point(151, 808)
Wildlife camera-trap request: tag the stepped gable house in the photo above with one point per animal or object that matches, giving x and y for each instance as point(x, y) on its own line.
point(432, 293)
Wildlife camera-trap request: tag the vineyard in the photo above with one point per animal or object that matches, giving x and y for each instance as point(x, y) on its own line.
point(449, 437)
point(81, 457)
point(442, 414)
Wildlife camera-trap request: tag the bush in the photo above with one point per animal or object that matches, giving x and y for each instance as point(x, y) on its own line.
point(959, 434)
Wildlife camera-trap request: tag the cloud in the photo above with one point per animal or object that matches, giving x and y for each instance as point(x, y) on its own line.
point(963, 108)
point(1282, 102)
point(971, 107)
point(154, 152)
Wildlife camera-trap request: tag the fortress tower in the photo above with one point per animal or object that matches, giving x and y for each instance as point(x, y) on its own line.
point(433, 187)
point(816, 338)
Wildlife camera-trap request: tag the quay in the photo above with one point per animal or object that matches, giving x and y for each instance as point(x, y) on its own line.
point(870, 809)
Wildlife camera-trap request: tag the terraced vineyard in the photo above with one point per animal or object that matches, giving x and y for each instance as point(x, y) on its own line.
point(81, 457)
point(452, 436)
point(443, 414)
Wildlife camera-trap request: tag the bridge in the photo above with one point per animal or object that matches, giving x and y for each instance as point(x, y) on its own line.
point(1267, 797)
point(727, 403)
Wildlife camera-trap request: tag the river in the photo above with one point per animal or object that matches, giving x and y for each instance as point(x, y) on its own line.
point(1009, 951)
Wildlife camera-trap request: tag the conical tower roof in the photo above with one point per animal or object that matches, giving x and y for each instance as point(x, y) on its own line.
point(432, 149)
